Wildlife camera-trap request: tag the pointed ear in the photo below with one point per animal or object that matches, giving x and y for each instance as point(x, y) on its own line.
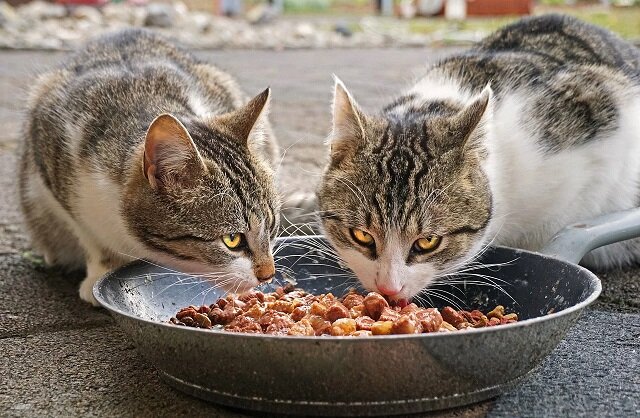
point(170, 156)
point(240, 123)
point(348, 123)
point(470, 125)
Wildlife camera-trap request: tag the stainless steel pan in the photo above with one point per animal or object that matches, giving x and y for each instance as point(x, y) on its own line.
point(381, 375)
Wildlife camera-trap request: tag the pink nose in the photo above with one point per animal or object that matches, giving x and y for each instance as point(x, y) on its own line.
point(389, 290)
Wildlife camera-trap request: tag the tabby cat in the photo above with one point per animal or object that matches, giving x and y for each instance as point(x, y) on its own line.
point(136, 149)
point(536, 127)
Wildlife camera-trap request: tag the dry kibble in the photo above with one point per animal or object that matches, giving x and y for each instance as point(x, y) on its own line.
point(347, 325)
point(364, 323)
point(289, 311)
point(336, 311)
point(389, 314)
point(302, 328)
point(430, 319)
point(202, 320)
point(445, 326)
point(406, 324)
point(357, 311)
point(374, 303)
point(318, 308)
point(353, 299)
point(497, 312)
point(299, 313)
point(382, 328)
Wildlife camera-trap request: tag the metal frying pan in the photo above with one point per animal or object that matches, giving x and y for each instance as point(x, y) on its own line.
point(380, 375)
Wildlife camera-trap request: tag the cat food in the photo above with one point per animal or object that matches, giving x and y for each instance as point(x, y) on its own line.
point(290, 311)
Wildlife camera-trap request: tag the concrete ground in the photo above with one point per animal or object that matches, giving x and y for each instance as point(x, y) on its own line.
point(61, 357)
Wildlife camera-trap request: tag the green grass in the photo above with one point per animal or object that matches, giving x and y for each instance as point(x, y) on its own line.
point(624, 21)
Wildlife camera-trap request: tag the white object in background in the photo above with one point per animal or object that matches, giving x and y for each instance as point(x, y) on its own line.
point(429, 7)
point(455, 9)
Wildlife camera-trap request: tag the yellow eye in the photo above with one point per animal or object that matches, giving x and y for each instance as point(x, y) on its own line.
point(428, 244)
point(361, 237)
point(233, 241)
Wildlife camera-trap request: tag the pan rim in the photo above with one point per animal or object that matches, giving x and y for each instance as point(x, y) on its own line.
point(597, 283)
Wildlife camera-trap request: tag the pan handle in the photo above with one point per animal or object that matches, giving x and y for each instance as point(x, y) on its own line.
point(575, 241)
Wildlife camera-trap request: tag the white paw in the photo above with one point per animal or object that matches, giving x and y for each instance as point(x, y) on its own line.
point(86, 291)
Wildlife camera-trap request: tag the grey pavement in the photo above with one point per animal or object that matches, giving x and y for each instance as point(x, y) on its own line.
point(61, 357)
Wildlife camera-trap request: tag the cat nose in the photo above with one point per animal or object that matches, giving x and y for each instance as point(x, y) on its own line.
point(389, 289)
point(265, 271)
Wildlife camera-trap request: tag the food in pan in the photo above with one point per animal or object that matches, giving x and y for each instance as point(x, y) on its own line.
point(290, 311)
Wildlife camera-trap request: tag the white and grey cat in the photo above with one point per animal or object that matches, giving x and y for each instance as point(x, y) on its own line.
point(535, 128)
point(135, 149)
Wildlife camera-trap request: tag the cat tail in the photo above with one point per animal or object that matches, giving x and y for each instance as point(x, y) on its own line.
point(298, 214)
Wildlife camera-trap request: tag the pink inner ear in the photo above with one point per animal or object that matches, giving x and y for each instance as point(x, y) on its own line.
point(168, 150)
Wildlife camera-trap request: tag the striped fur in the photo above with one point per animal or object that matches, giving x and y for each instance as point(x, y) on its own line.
point(534, 128)
point(97, 192)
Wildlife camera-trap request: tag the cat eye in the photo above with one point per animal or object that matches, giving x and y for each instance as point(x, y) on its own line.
point(427, 244)
point(234, 241)
point(362, 237)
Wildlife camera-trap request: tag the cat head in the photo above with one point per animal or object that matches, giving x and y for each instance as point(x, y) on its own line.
point(404, 198)
point(206, 208)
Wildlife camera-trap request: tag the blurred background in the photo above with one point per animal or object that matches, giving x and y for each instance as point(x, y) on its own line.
point(286, 24)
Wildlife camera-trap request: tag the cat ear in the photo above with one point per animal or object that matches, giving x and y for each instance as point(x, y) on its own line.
point(471, 123)
point(170, 156)
point(240, 123)
point(348, 129)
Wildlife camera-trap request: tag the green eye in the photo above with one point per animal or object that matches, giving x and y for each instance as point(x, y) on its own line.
point(427, 245)
point(234, 241)
point(361, 237)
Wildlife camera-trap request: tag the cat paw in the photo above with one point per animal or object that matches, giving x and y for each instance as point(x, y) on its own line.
point(86, 291)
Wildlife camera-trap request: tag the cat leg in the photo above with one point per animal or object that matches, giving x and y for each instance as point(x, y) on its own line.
point(99, 263)
point(51, 235)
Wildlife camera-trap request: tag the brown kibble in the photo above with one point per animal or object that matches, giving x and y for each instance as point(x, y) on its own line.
point(361, 333)
point(203, 320)
point(357, 311)
point(299, 313)
point(186, 312)
point(511, 317)
point(302, 328)
point(294, 312)
point(245, 324)
point(364, 323)
point(319, 324)
point(451, 316)
point(318, 308)
point(374, 303)
point(352, 299)
point(347, 325)
point(445, 326)
point(336, 311)
point(497, 312)
point(389, 314)
point(188, 321)
point(382, 328)
point(493, 321)
point(255, 311)
point(430, 319)
point(410, 308)
point(406, 324)
point(482, 322)
point(281, 306)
